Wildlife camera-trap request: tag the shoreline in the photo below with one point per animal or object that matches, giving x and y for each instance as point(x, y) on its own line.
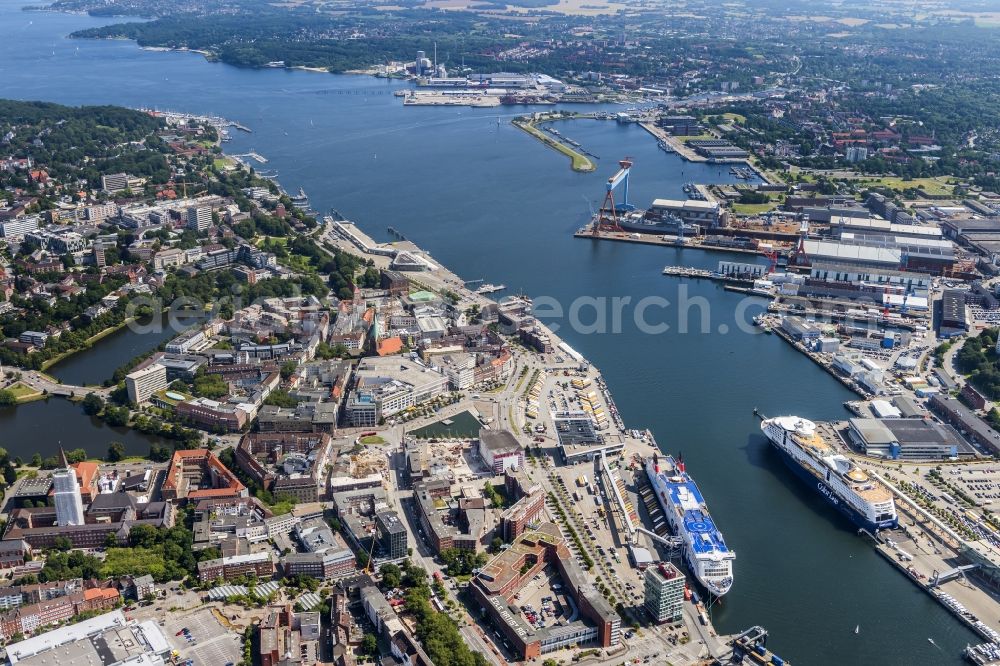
point(578, 161)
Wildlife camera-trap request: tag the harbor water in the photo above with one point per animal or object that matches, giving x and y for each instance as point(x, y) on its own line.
point(491, 202)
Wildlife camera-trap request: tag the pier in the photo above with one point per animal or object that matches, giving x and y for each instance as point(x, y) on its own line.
point(702, 274)
point(661, 240)
point(579, 161)
point(254, 155)
point(673, 142)
point(925, 547)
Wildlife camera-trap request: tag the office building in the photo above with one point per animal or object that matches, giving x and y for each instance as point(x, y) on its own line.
point(235, 566)
point(142, 384)
point(664, 593)
point(391, 535)
point(196, 474)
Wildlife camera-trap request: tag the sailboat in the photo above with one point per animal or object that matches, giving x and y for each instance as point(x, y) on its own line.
point(857, 628)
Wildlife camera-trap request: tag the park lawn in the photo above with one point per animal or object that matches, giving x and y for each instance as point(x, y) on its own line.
point(219, 163)
point(735, 117)
point(933, 186)
point(23, 391)
point(754, 209)
point(697, 137)
point(372, 439)
point(134, 561)
point(298, 263)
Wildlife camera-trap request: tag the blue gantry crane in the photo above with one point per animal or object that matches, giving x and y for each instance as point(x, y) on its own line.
point(607, 217)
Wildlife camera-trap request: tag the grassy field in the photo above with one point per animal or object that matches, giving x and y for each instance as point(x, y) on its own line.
point(754, 209)
point(372, 439)
point(580, 162)
point(932, 186)
point(23, 392)
point(734, 117)
point(940, 186)
point(696, 137)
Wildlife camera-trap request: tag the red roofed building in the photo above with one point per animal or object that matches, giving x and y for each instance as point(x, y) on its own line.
point(390, 346)
point(198, 474)
point(87, 474)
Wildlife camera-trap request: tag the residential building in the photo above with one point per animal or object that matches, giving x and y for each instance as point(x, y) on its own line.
point(19, 226)
point(227, 568)
point(199, 218)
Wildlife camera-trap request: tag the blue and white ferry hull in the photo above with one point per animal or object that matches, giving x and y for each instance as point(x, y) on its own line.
point(705, 552)
point(864, 500)
point(826, 493)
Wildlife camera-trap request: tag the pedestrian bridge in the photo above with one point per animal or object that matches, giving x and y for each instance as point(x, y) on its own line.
point(951, 574)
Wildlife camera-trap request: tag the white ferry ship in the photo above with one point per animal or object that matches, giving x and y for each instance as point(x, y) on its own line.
point(705, 551)
point(863, 499)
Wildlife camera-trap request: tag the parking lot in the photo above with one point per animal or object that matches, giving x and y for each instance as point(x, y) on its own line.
point(210, 644)
point(981, 482)
point(541, 603)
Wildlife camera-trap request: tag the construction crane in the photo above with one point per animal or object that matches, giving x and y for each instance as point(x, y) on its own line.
point(772, 260)
point(607, 216)
point(184, 192)
point(369, 566)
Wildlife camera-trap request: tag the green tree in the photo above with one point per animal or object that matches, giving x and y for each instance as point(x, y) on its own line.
point(92, 404)
point(116, 451)
point(210, 386)
point(369, 645)
point(7, 398)
point(288, 368)
point(391, 575)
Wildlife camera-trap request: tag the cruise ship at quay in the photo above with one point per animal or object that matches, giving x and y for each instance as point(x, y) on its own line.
point(863, 499)
point(705, 551)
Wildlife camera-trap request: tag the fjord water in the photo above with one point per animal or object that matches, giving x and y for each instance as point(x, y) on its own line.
point(490, 202)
